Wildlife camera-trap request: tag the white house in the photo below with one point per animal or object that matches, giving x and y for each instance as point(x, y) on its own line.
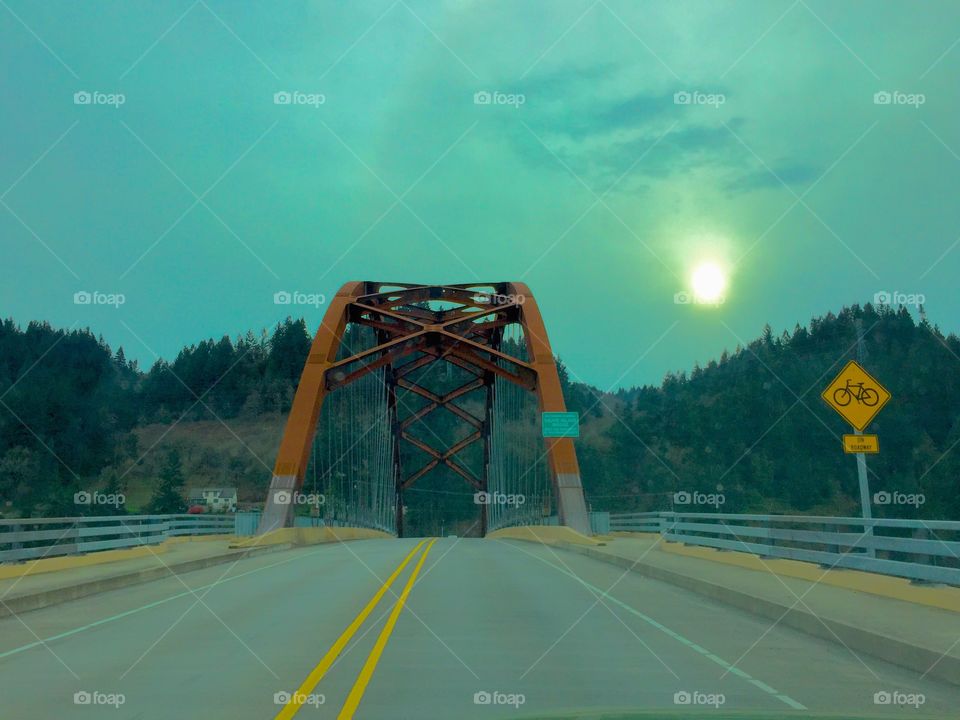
point(217, 499)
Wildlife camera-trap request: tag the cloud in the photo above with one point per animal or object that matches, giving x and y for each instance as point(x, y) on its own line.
point(589, 116)
point(785, 172)
point(570, 78)
point(587, 120)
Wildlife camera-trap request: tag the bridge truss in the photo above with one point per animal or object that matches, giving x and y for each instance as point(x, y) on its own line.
point(372, 370)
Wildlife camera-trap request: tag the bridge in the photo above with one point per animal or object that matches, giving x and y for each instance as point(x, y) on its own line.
point(327, 604)
point(376, 354)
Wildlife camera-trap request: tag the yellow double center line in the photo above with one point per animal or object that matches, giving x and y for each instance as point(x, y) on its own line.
point(356, 693)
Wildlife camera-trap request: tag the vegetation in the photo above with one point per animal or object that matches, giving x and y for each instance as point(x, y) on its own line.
point(752, 425)
point(168, 495)
point(72, 411)
point(76, 416)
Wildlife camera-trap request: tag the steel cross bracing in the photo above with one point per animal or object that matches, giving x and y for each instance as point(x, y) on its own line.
point(458, 324)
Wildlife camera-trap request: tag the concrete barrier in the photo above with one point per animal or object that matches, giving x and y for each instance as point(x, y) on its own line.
point(68, 562)
point(544, 534)
point(18, 604)
point(896, 588)
point(309, 536)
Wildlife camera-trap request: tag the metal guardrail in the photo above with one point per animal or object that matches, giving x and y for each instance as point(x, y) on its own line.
point(636, 522)
point(206, 524)
point(247, 523)
point(32, 538)
point(921, 550)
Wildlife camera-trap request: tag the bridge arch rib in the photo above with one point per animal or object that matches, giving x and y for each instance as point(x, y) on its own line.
point(415, 326)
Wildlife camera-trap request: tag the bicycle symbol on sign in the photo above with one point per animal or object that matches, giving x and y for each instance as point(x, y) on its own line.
point(855, 391)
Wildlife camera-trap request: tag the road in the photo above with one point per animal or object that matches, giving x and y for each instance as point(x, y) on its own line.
point(533, 629)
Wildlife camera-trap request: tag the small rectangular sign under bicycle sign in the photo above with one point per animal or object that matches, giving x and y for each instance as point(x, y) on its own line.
point(853, 444)
point(856, 395)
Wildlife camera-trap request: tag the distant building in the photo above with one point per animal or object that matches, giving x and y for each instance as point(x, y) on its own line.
point(217, 499)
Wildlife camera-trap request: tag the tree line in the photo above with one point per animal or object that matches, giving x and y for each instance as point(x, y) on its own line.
point(749, 426)
point(69, 405)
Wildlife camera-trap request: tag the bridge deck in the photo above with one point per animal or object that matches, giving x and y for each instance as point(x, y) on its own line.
point(484, 616)
point(911, 633)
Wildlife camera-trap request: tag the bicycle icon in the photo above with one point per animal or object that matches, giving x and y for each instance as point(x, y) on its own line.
point(855, 391)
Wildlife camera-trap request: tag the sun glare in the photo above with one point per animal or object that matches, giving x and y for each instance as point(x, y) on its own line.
point(709, 283)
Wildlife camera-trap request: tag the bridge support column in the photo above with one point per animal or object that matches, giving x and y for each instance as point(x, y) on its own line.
point(572, 507)
point(277, 512)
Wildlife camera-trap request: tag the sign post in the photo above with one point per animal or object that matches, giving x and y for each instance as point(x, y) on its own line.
point(858, 396)
point(866, 509)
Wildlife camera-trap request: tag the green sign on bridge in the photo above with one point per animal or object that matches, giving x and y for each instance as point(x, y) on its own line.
point(561, 424)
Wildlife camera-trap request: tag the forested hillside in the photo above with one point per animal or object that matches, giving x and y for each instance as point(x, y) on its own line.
point(750, 425)
point(72, 413)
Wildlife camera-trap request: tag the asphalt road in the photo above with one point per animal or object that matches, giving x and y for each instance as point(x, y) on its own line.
point(488, 629)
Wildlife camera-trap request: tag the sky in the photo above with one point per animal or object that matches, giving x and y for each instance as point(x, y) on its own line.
point(184, 161)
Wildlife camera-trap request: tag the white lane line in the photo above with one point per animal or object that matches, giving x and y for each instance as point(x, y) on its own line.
point(786, 699)
point(148, 606)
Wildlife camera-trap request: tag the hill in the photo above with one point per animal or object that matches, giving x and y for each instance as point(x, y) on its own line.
point(749, 426)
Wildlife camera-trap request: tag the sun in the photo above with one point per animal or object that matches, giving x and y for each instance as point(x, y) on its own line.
point(709, 283)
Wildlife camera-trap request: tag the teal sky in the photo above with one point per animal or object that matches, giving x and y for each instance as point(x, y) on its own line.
point(599, 190)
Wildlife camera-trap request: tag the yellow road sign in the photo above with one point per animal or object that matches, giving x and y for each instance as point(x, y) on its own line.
point(856, 395)
point(861, 444)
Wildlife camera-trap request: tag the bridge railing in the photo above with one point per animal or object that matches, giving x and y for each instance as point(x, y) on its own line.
point(206, 524)
point(920, 550)
point(247, 522)
point(34, 538)
point(636, 522)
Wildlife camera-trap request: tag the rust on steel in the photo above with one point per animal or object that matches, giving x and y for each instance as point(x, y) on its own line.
point(466, 333)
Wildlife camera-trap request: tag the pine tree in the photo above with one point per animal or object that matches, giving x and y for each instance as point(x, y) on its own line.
point(167, 498)
point(114, 487)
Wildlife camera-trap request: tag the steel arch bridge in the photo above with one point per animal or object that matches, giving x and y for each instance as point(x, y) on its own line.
point(494, 334)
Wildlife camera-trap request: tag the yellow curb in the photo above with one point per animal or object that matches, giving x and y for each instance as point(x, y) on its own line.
point(198, 538)
point(945, 598)
point(545, 534)
point(68, 562)
point(308, 536)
